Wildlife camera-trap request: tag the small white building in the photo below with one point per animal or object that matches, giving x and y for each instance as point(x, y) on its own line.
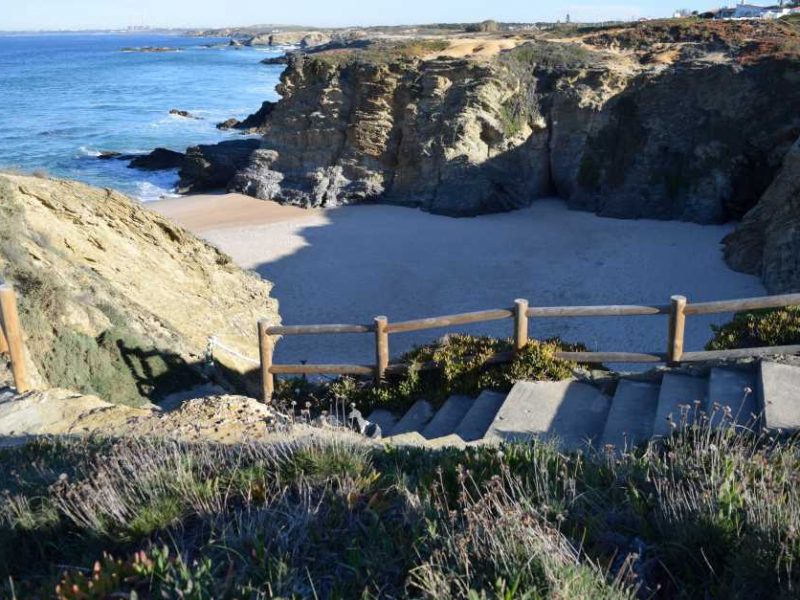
point(749, 11)
point(754, 11)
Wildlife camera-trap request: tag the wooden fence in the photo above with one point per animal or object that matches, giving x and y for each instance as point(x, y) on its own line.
point(521, 313)
point(11, 337)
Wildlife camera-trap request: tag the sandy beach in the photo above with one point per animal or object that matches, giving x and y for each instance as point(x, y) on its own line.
point(203, 212)
point(347, 265)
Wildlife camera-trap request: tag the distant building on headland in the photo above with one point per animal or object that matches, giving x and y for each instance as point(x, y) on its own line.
point(754, 11)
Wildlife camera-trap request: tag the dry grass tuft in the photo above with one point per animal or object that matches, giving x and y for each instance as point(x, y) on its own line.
point(712, 512)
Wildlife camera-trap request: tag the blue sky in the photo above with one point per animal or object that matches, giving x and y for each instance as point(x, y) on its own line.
point(83, 14)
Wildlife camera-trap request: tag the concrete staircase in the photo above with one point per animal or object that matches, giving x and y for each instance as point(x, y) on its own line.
point(575, 415)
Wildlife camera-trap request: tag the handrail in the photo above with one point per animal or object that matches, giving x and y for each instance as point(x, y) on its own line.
point(449, 320)
point(677, 310)
point(596, 311)
point(317, 329)
point(721, 306)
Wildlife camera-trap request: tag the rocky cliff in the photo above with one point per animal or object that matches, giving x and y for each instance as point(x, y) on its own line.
point(115, 300)
point(678, 120)
point(767, 242)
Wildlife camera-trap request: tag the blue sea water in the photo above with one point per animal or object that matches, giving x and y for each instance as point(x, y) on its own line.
point(65, 98)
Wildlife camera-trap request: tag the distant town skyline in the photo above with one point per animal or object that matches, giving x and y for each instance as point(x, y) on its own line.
point(100, 14)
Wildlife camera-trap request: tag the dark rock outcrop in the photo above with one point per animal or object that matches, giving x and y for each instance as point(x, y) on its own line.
point(767, 242)
point(283, 59)
point(158, 160)
point(253, 123)
point(212, 166)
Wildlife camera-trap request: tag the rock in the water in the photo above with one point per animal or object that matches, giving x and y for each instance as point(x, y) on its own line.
point(183, 113)
point(209, 167)
point(228, 123)
point(158, 160)
point(152, 49)
point(283, 59)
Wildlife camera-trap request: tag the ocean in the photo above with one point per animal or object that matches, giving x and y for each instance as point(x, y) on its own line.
point(64, 98)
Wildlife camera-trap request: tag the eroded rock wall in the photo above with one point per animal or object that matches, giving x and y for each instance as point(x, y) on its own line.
point(686, 129)
point(426, 134)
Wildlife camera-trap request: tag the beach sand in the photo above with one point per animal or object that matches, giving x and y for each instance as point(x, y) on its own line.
point(202, 212)
point(349, 264)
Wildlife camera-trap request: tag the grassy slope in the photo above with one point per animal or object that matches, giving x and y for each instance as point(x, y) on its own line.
point(711, 515)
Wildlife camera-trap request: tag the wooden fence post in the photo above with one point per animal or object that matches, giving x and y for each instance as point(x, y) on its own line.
point(3, 341)
point(381, 348)
point(265, 354)
point(677, 326)
point(520, 324)
point(13, 337)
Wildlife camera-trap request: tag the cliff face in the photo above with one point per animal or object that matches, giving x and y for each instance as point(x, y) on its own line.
point(674, 122)
point(435, 134)
point(767, 242)
point(422, 134)
point(116, 300)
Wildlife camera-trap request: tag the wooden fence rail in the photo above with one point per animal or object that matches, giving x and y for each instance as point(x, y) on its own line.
point(521, 313)
point(11, 337)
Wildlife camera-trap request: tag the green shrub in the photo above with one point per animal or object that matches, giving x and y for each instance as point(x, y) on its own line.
point(778, 327)
point(488, 26)
point(379, 53)
point(548, 55)
point(461, 370)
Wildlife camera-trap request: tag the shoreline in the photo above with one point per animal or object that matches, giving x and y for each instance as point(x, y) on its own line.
point(201, 213)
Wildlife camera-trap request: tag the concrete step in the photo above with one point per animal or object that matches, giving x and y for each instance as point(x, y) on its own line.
point(384, 419)
point(570, 412)
point(415, 418)
point(447, 418)
point(677, 392)
point(480, 415)
point(734, 389)
point(779, 394)
point(410, 438)
point(630, 419)
point(446, 441)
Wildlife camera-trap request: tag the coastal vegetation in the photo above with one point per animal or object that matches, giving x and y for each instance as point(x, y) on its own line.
point(379, 52)
point(707, 514)
point(764, 328)
point(462, 368)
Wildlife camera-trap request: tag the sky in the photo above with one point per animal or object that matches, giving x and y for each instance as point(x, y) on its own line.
point(18, 15)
